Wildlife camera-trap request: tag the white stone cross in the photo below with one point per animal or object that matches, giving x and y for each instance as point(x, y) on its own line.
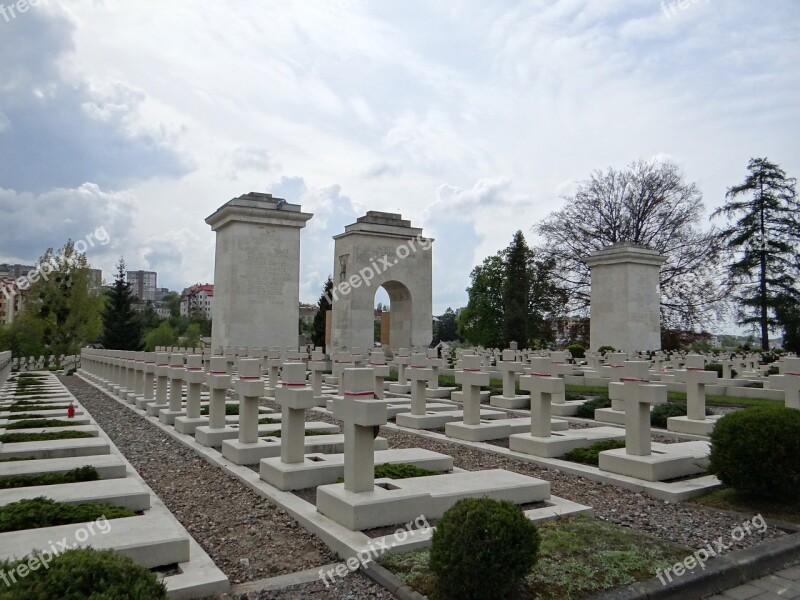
point(420, 375)
point(696, 381)
point(295, 397)
point(542, 388)
point(218, 381)
point(250, 388)
point(194, 377)
point(377, 361)
point(472, 378)
point(638, 398)
point(176, 372)
point(360, 416)
point(790, 384)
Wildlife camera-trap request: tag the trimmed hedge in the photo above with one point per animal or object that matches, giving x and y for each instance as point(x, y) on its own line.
point(662, 412)
point(591, 455)
point(84, 574)
point(577, 351)
point(755, 452)
point(482, 549)
point(44, 512)
point(86, 473)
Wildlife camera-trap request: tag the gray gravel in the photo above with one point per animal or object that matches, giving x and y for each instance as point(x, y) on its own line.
point(248, 537)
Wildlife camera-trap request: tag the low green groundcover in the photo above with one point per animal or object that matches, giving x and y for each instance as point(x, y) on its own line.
point(29, 407)
point(86, 473)
point(590, 455)
point(43, 512)
point(38, 424)
point(84, 574)
point(230, 409)
point(277, 433)
point(268, 421)
point(398, 471)
point(69, 434)
point(578, 557)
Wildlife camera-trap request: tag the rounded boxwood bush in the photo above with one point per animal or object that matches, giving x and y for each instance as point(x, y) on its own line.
point(84, 574)
point(662, 412)
point(755, 452)
point(482, 548)
point(577, 351)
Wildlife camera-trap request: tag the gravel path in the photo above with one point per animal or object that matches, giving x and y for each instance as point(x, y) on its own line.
point(247, 536)
point(686, 524)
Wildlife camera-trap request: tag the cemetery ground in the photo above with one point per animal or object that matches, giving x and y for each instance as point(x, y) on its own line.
point(631, 537)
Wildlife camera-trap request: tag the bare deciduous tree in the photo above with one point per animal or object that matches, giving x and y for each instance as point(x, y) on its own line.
point(651, 205)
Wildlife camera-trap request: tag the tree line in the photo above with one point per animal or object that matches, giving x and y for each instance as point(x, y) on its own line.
point(747, 268)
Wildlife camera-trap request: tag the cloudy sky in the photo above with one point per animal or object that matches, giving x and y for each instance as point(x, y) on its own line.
point(473, 119)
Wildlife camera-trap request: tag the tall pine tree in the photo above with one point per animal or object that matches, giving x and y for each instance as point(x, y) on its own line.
point(318, 337)
point(122, 327)
point(763, 242)
point(516, 293)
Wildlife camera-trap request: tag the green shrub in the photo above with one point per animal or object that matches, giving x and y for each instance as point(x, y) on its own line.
point(44, 512)
point(45, 436)
point(755, 452)
point(590, 455)
point(577, 351)
point(482, 549)
point(80, 474)
point(268, 421)
point(85, 574)
point(586, 410)
point(604, 349)
point(38, 423)
point(573, 396)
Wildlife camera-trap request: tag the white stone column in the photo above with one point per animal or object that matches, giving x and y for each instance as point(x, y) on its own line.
point(257, 271)
point(625, 298)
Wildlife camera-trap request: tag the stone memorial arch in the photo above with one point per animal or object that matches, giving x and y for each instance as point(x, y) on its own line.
point(256, 272)
point(382, 250)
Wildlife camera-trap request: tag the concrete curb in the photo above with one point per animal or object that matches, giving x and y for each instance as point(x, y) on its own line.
point(391, 582)
point(727, 571)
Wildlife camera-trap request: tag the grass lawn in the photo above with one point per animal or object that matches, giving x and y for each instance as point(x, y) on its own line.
point(728, 499)
point(681, 397)
point(578, 557)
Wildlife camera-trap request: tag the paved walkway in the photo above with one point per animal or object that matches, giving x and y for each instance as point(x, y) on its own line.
point(781, 584)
